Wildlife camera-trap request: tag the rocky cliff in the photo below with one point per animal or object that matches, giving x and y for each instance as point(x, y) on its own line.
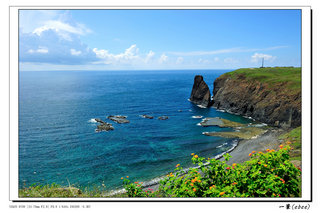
point(200, 93)
point(270, 96)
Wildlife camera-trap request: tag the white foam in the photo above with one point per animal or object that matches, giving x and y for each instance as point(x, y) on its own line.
point(221, 110)
point(92, 120)
point(201, 106)
point(197, 116)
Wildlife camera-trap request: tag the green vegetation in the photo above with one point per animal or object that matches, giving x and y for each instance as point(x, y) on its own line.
point(271, 75)
point(294, 136)
point(267, 174)
point(58, 191)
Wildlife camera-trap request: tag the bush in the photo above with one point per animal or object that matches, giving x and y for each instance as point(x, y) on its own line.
point(268, 174)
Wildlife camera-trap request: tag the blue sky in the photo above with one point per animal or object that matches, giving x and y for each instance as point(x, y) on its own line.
point(157, 39)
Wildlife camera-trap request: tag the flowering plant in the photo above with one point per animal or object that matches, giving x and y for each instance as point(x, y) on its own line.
point(268, 174)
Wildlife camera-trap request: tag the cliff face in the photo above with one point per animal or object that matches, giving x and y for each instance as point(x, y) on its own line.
point(200, 93)
point(275, 105)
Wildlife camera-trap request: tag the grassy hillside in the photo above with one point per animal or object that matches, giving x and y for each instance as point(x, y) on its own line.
point(291, 76)
point(294, 136)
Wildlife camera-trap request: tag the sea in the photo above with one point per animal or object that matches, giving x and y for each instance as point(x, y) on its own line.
point(57, 138)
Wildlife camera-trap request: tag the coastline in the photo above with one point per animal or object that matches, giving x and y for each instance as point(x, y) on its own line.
point(239, 153)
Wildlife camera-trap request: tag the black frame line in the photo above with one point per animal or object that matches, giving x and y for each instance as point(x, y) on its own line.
point(173, 199)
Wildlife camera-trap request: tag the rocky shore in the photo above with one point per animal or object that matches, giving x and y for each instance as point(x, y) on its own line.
point(272, 96)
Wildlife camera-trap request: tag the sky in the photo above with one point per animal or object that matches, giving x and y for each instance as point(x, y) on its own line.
point(158, 39)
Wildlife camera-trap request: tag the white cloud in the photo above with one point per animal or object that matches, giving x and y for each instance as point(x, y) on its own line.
point(130, 55)
point(62, 29)
point(179, 60)
point(149, 56)
point(257, 56)
point(230, 60)
point(42, 50)
point(203, 61)
point(220, 51)
point(163, 58)
point(216, 59)
point(50, 48)
point(75, 52)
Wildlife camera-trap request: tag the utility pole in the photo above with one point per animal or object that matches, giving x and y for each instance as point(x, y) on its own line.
point(262, 63)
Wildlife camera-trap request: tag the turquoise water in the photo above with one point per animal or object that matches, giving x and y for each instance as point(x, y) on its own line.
point(57, 138)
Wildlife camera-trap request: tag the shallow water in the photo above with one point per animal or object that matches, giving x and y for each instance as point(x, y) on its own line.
point(57, 138)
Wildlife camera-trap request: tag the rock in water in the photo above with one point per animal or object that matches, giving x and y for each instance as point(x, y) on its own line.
point(99, 121)
point(200, 92)
point(120, 119)
point(146, 116)
point(104, 127)
point(163, 118)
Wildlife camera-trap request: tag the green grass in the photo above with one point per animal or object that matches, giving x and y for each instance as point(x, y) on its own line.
point(58, 191)
point(271, 75)
point(55, 190)
point(294, 136)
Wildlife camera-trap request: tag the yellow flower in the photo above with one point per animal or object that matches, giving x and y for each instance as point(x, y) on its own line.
point(192, 153)
point(210, 187)
point(193, 181)
point(265, 165)
point(191, 184)
point(222, 193)
point(268, 150)
point(214, 186)
point(127, 176)
point(199, 181)
point(272, 150)
point(178, 165)
point(260, 152)
point(234, 164)
point(259, 162)
point(281, 146)
point(196, 156)
point(253, 152)
point(194, 189)
point(121, 178)
point(250, 154)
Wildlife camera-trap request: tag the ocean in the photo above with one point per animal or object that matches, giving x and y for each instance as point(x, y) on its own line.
point(57, 138)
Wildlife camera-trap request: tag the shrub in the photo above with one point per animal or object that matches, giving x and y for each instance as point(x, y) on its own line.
point(268, 174)
point(136, 189)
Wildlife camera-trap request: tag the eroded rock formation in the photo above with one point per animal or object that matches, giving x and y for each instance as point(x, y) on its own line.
point(200, 93)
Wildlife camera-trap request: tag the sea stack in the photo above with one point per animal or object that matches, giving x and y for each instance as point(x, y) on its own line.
point(200, 92)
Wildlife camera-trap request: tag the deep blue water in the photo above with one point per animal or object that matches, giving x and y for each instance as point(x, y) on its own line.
point(57, 141)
